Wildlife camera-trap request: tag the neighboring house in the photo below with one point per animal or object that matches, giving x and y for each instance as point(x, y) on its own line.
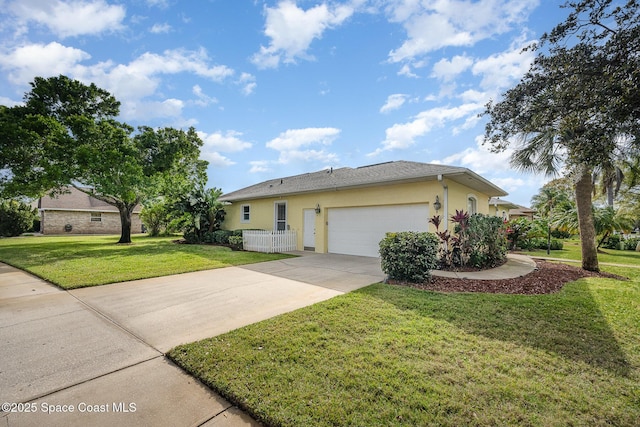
point(75, 212)
point(521, 212)
point(348, 211)
point(508, 210)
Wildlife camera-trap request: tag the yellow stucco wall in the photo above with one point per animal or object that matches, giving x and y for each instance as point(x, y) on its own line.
point(262, 210)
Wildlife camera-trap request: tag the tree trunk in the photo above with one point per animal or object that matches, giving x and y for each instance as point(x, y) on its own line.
point(584, 187)
point(125, 222)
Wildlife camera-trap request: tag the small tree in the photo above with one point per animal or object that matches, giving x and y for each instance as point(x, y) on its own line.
point(16, 218)
point(203, 213)
point(156, 216)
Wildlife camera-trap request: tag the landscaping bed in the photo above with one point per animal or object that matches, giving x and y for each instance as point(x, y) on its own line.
point(549, 277)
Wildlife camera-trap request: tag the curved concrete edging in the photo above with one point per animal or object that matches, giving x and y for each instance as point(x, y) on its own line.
point(516, 266)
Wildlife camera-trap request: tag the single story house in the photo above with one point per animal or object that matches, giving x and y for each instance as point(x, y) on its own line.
point(75, 212)
point(349, 210)
point(508, 210)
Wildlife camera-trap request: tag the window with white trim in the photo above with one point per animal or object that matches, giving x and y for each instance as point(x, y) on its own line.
point(472, 205)
point(96, 216)
point(245, 213)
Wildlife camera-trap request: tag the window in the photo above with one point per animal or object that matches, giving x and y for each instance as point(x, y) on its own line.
point(281, 216)
point(96, 216)
point(246, 213)
point(472, 207)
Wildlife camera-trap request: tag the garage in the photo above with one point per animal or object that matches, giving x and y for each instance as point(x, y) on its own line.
point(358, 230)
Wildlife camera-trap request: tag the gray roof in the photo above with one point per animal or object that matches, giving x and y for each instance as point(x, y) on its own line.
point(364, 176)
point(75, 200)
point(505, 204)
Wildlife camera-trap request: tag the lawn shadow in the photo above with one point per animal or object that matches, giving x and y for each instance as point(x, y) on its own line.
point(568, 323)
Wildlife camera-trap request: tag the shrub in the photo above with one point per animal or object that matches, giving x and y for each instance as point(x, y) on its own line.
point(556, 245)
point(486, 241)
point(479, 241)
point(631, 244)
point(517, 230)
point(409, 256)
point(221, 237)
point(235, 242)
point(612, 242)
point(16, 218)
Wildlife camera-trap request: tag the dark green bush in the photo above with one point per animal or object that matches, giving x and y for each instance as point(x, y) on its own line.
point(409, 256)
point(631, 244)
point(612, 242)
point(16, 218)
point(221, 237)
point(486, 241)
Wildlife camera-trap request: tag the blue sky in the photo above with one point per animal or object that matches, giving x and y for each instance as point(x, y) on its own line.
point(277, 88)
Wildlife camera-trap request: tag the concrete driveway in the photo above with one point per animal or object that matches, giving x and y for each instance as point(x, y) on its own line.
point(95, 356)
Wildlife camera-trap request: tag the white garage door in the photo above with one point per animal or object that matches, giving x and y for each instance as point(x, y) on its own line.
point(358, 231)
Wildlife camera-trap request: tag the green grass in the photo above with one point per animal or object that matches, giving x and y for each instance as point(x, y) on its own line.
point(80, 261)
point(387, 355)
point(571, 251)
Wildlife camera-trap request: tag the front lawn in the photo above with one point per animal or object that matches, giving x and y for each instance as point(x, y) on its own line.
point(571, 251)
point(387, 355)
point(80, 261)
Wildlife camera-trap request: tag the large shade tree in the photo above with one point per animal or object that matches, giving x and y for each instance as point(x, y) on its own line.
point(66, 134)
point(579, 104)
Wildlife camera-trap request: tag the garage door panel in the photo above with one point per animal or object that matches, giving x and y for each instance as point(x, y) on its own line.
point(358, 231)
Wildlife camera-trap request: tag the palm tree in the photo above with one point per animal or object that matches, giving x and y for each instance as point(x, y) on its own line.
point(544, 152)
point(544, 203)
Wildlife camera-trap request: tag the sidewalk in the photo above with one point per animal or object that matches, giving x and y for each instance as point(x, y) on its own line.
point(516, 266)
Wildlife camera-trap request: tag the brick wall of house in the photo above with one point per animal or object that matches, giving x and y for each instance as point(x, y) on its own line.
point(54, 222)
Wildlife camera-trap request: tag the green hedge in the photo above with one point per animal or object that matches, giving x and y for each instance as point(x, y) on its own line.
point(409, 256)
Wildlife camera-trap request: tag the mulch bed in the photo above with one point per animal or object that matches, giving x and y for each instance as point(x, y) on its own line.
point(549, 277)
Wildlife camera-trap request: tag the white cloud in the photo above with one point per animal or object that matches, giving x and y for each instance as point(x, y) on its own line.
point(28, 61)
point(248, 83)
point(259, 166)
point(203, 99)
point(70, 18)
point(7, 102)
point(293, 29)
point(500, 70)
point(403, 135)
point(130, 83)
point(290, 156)
point(480, 159)
point(394, 102)
point(158, 3)
point(432, 25)
point(160, 28)
point(447, 70)
point(509, 183)
point(169, 108)
point(295, 138)
point(216, 159)
point(215, 143)
point(228, 142)
point(407, 71)
point(291, 142)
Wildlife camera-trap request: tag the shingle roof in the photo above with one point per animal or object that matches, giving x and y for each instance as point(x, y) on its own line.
point(76, 200)
point(365, 176)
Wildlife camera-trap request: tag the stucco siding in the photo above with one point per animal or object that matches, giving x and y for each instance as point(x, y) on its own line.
point(262, 210)
point(54, 222)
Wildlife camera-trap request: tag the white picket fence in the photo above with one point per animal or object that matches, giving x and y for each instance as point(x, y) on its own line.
point(269, 241)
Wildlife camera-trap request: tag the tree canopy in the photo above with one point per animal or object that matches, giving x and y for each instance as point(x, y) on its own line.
point(66, 133)
point(579, 104)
